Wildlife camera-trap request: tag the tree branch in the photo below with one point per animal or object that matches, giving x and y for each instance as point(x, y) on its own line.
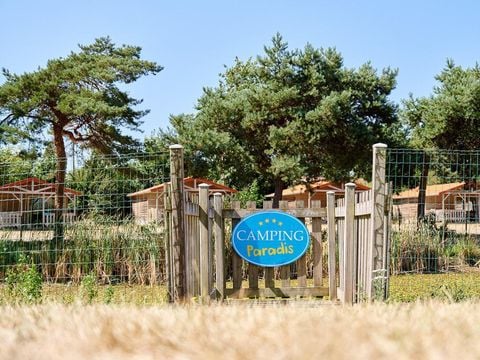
point(75, 138)
point(5, 119)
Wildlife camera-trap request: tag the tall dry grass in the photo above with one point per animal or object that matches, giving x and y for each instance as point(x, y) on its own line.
point(415, 331)
point(114, 250)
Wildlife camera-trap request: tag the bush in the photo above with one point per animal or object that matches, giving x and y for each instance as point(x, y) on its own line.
point(24, 282)
point(427, 249)
point(89, 288)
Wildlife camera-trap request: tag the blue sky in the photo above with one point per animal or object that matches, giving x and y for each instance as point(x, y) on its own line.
point(193, 40)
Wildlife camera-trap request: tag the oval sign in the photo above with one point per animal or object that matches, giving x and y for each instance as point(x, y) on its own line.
point(270, 238)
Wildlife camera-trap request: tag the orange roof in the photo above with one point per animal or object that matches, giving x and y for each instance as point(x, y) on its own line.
point(432, 190)
point(189, 182)
point(320, 186)
point(34, 185)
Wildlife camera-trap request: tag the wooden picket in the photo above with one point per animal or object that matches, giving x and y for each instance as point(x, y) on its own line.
point(362, 222)
point(357, 239)
point(269, 287)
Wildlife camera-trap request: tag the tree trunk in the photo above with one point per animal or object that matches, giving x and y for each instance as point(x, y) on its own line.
point(60, 171)
point(422, 188)
point(279, 186)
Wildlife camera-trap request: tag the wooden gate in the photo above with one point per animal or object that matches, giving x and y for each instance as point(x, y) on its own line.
point(285, 281)
point(202, 265)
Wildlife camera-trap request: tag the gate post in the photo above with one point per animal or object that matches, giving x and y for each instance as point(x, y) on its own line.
point(332, 281)
point(205, 264)
point(177, 241)
point(219, 234)
point(349, 245)
point(377, 261)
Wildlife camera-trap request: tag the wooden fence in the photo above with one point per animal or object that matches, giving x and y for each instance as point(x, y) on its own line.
point(360, 278)
point(357, 245)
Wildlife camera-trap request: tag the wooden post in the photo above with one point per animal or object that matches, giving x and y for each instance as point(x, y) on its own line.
point(252, 269)
point(177, 222)
point(269, 271)
point(317, 247)
point(285, 269)
point(378, 215)
point(387, 253)
point(302, 262)
point(204, 242)
point(237, 261)
point(349, 249)
point(332, 280)
point(168, 247)
point(218, 230)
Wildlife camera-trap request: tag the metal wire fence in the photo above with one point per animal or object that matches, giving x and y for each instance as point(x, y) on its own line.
point(104, 243)
point(436, 210)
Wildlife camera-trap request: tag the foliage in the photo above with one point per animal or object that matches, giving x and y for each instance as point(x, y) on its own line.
point(77, 97)
point(24, 283)
point(14, 164)
point(114, 251)
point(249, 193)
point(108, 295)
point(428, 249)
point(451, 287)
point(288, 114)
point(448, 119)
point(104, 184)
point(89, 288)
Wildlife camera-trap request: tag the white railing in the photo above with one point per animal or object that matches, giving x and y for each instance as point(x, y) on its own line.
point(450, 215)
point(49, 218)
point(10, 219)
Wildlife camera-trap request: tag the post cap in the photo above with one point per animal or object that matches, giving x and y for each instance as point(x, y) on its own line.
point(217, 194)
point(175, 147)
point(350, 184)
point(331, 192)
point(380, 146)
point(204, 186)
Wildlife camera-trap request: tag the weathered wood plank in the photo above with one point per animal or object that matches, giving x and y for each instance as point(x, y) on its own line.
point(378, 210)
point(269, 271)
point(349, 247)
point(302, 262)
point(317, 247)
point(204, 242)
point(284, 270)
point(317, 291)
point(236, 259)
point(252, 269)
point(387, 242)
point(219, 234)
point(332, 273)
point(178, 222)
point(168, 247)
point(210, 246)
point(267, 205)
point(241, 213)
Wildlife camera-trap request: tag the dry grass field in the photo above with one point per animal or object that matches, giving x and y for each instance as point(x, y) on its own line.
point(296, 331)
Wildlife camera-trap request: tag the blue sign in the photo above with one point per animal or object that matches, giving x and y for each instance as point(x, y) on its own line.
point(270, 238)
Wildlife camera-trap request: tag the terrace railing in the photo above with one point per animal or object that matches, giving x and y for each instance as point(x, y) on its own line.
point(10, 219)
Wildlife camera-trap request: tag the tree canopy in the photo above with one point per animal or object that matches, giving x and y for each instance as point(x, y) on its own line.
point(290, 114)
point(449, 118)
point(77, 98)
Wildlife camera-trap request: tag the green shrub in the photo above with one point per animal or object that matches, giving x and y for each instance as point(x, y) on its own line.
point(89, 288)
point(24, 283)
point(116, 250)
point(426, 249)
point(108, 295)
point(467, 251)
